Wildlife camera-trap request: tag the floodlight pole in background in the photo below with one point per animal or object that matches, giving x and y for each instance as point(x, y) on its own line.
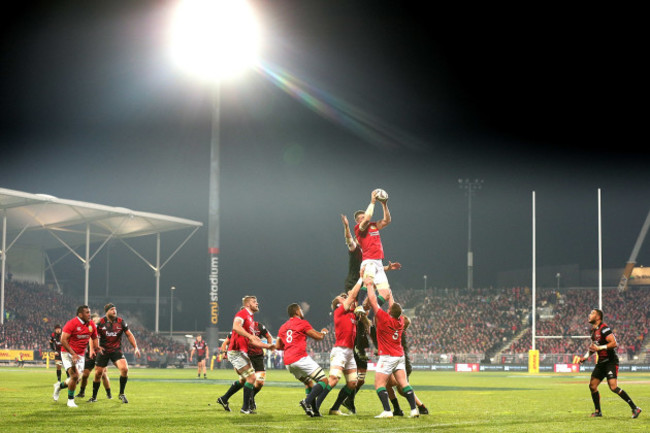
point(171, 312)
point(213, 210)
point(470, 186)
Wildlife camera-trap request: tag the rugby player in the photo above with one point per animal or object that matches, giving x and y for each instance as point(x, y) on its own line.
point(75, 336)
point(603, 342)
point(292, 338)
point(110, 329)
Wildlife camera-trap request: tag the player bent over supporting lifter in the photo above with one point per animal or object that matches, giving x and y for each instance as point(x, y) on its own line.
point(603, 342)
point(292, 338)
point(243, 336)
point(391, 355)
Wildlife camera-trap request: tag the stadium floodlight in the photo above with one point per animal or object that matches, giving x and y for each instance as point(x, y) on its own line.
point(214, 39)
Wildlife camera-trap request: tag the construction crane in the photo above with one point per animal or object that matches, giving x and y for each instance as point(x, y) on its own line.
point(629, 267)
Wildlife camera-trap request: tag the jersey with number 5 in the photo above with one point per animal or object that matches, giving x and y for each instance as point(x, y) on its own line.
point(389, 334)
point(294, 336)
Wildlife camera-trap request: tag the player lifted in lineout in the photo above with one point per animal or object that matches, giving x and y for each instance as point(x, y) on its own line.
point(367, 234)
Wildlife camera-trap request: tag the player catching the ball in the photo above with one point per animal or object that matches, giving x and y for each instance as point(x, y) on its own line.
point(367, 234)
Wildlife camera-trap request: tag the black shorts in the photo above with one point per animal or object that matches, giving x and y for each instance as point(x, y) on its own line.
point(362, 364)
point(200, 358)
point(89, 363)
point(102, 359)
point(257, 361)
point(608, 369)
point(57, 356)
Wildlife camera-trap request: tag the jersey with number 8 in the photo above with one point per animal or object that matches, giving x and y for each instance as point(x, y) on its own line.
point(294, 336)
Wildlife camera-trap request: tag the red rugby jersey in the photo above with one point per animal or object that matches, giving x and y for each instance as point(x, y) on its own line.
point(80, 334)
point(237, 342)
point(389, 334)
point(345, 327)
point(370, 242)
point(294, 336)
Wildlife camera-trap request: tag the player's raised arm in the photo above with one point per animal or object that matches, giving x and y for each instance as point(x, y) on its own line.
point(386, 219)
point(352, 296)
point(370, 210)
point(372, 297)
point(349, 239)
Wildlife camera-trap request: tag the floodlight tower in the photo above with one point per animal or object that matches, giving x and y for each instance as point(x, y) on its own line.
point(214, 40)
point(470, 186)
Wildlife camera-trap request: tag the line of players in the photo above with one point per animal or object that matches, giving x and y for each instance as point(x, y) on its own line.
point(87, 342)
point(351, 324)
point(348, 356)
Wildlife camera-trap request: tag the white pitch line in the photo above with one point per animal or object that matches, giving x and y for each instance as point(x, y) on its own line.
point(392, 427)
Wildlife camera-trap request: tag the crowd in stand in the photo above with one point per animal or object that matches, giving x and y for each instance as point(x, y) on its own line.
point(444, 321)
point(32, 311)
point(477, 321)
point(627, 313)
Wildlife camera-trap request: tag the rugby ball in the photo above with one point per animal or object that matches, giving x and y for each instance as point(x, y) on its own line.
point(381, 195)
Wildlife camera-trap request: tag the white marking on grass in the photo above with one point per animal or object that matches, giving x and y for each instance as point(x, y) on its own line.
point(391, 426)
point(526, 376)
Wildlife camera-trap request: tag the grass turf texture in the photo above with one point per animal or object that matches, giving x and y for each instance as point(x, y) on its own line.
point(174, 400)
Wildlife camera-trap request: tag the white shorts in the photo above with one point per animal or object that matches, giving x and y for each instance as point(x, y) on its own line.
point(66, 359)
point(375, 269)
point(389, 364)
point(238, 359)
point(342, 358)
point(304, 368)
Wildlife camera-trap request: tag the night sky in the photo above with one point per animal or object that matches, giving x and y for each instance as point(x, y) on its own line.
point(405, 96)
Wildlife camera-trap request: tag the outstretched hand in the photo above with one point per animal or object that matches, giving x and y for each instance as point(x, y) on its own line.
point(394, 266)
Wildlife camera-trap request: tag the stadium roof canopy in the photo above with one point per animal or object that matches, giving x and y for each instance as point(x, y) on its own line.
point(49, 222)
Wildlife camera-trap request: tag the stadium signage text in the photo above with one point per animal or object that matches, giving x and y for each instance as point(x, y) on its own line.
point(214, 289)
point(12, 355)
point(467, 368)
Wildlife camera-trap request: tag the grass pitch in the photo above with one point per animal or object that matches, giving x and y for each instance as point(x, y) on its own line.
point(173, 400)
